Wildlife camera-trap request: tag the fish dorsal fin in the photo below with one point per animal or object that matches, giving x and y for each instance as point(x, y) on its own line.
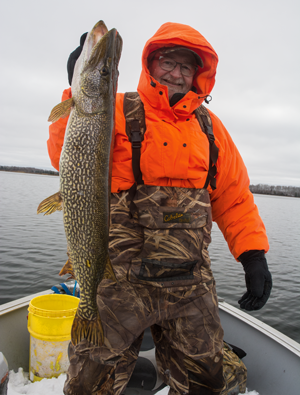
point(51, 204)
point(62, 110)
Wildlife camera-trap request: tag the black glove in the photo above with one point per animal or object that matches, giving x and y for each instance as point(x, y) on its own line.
point(73, 57)
point(258, 280)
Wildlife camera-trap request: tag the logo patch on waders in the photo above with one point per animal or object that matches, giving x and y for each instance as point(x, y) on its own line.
point(176, 217)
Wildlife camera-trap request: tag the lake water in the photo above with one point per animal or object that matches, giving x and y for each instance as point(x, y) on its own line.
point(33, 250)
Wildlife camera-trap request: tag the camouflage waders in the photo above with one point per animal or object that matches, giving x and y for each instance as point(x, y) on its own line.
point(161, 260)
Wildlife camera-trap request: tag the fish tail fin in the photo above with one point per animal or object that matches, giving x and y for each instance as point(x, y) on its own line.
point(91, 330)
point(109, 271)
point(51, 204)
point(62, 110)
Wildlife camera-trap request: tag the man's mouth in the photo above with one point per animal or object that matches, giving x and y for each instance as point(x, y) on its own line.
point(172, 83)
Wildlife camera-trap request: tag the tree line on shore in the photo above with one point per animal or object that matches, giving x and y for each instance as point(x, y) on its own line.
point(31, 170)
point(263, 189)
point(278, 190)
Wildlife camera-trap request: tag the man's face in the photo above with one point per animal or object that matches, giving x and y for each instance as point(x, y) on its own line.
point(174, 80)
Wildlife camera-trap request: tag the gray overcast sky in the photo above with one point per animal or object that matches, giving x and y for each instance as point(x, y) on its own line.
point(256, 95)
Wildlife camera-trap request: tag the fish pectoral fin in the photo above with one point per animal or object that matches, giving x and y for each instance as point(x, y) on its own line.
point(68, 269)
point(62, 110)
point(90, 330)
point(51, 204)
point(109, 272)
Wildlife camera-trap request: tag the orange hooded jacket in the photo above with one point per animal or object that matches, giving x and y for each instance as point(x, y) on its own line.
point(184, 160)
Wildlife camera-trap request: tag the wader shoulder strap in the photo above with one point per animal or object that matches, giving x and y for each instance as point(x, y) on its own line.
point(205, 122)
point(134, 113)
point(136, 127)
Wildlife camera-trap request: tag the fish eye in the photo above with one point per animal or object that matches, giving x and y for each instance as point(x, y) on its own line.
point(104, 71)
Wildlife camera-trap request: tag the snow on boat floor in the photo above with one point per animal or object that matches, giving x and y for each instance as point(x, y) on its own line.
point(19, 383)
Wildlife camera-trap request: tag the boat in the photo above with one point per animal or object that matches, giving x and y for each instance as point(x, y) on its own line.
point(272, 360)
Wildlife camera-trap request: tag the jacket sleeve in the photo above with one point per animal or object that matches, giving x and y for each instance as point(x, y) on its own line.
point(233, 207)
point(57, 135)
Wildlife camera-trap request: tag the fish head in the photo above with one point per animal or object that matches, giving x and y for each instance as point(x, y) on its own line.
point(96, 70)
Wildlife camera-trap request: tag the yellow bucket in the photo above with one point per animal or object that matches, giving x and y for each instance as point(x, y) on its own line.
point(50, 320)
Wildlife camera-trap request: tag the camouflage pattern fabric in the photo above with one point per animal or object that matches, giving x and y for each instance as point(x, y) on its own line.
point(161, 260)
point(186, 331)
point(235, 372)
point(165, 245)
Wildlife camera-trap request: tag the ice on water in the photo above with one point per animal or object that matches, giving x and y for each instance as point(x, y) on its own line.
point(19, 383)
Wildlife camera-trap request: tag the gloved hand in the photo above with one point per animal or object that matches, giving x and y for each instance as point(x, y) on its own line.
point(258, 280)
point(73, 57)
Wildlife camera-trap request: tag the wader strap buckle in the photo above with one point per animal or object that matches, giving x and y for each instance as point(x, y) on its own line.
point(136, 139)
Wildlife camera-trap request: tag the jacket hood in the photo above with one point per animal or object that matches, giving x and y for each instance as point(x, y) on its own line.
point(171, 34)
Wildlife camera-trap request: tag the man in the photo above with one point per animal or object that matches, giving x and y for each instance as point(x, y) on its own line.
point(159, 249)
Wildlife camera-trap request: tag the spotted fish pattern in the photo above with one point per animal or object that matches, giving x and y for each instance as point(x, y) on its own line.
point(85, 179)
point(85, 173)
point(83, 188)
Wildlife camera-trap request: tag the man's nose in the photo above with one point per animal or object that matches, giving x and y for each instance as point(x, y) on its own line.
point(176, 73)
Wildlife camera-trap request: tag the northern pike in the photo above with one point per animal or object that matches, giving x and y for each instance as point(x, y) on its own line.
point(85, 173)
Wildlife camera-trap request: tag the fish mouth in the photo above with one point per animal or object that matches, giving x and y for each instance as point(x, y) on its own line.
point(102, 66)
point(106, 52)
point(101, 48)
point(119, 46)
